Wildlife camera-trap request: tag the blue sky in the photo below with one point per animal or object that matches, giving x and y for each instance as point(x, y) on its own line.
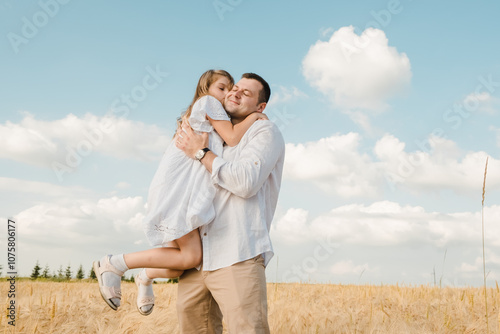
point(388, 108)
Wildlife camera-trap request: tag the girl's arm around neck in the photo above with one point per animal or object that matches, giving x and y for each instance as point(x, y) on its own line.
point(232, 134)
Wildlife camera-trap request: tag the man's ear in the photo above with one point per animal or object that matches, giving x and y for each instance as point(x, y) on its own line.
point(261, 107)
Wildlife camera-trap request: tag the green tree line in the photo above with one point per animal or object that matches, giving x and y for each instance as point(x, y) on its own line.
point(65, 274)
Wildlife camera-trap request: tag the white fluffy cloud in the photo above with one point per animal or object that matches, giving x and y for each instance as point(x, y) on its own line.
point(388, 223)
point(283, 94)
point(335, 164)
point(39, 189)
point(472, 267)
point(348, 267)
point(357, 71)
point(67, 222)
point(339, 165)
point(293, 226)
point(437, 164)
point(482, 102)
point(79, 231)
point(40, 143)
point(358, 242)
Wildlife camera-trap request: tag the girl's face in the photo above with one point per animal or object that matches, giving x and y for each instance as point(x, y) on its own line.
point(220, 88)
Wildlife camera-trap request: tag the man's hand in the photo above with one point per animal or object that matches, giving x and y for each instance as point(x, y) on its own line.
point(189, 141)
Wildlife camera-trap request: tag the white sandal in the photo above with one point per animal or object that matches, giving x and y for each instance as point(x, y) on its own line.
point(107, 292)
point(143, 300)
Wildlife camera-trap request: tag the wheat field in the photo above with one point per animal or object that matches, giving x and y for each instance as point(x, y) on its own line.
point(76, 307)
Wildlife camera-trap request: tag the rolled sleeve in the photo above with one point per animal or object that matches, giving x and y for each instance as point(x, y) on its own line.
point(260, 149)
point(216, 166)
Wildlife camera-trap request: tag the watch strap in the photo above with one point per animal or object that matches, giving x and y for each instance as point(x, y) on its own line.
point(201, 156)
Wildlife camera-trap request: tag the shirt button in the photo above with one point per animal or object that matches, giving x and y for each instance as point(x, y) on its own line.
point(205, 234)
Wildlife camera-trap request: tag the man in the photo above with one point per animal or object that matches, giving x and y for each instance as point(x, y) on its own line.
point(236, 245)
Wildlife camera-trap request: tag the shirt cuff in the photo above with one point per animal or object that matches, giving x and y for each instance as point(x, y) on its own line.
point(216, 166)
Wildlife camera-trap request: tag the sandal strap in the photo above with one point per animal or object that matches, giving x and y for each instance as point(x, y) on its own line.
point(139, 280)
point(145, 301)
point(110, 292)
point(106, 266)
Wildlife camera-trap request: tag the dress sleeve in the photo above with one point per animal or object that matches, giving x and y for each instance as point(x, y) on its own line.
point(206, 105)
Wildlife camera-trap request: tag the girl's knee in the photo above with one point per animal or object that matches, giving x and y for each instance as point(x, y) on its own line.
point(191, 249)
point(192, 259)
point(172, 273)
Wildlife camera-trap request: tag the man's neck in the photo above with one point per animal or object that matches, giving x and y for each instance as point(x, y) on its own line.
point(236, 120)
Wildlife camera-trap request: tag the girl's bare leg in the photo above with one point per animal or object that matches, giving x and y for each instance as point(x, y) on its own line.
point(188, 255)
point(153, 273)
point(183, 252)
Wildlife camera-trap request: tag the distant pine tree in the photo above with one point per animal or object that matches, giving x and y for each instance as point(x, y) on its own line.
point(92, 274)
point(130, 279)
point(60, 275)
point(45, 273)
point(36, 271)
point(68, 272)
point(80, 274)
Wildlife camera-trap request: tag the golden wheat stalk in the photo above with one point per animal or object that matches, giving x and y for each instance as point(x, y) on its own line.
point(484, 262)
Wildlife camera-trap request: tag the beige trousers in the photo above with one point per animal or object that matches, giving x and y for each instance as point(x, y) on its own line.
point(237, 293)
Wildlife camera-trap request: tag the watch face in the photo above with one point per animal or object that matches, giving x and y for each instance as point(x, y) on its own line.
point(199, 154)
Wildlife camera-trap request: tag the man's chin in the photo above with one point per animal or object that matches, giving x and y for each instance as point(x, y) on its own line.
point(230, 111)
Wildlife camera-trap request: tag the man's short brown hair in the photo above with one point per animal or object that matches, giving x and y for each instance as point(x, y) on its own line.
point(265, 92)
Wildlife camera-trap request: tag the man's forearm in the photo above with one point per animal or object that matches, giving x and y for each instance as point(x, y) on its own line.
point(208, 160)
point(245, 175)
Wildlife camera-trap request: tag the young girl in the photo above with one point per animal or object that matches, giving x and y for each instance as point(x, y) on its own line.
point(179, 200)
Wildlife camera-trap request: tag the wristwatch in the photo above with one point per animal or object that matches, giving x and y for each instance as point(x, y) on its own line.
point(201, 153)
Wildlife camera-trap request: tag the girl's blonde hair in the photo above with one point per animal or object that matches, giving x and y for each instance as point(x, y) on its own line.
point(206, 80)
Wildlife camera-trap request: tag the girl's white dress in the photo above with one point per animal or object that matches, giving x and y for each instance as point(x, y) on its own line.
point(180, 197)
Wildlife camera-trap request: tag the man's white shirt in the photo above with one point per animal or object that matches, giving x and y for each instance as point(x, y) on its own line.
point(249, 177)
